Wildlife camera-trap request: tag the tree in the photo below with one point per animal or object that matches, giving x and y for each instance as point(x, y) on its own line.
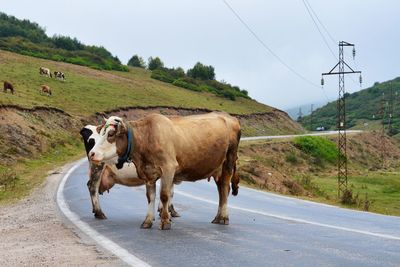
point(155, 63)
point(136, 61)
point(203, 72)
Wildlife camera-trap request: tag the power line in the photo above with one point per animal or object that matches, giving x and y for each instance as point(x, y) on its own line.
point(320, 22)
point(309, 7)
point(270, 50)
point(317, 27)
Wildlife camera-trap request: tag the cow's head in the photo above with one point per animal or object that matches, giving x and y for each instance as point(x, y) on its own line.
point(90, 134)
point(112, 141)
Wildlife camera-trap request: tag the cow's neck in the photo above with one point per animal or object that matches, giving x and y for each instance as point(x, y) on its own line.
point(126, 156)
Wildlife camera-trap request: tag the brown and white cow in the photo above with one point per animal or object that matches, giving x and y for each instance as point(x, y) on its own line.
point(103, 177)
point(45, 89)
point(175, 149)
point(45, 71)
point(8, 86)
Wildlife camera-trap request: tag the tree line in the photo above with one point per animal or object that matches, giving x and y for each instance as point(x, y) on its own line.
point(28, 38)
point(200, 77)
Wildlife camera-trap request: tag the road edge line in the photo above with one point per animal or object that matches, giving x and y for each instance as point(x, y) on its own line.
point(103, 241)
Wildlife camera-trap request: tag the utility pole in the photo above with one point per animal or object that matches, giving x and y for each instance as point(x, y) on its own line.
point(391, 100)
point(382, 114)
point(311, 116)
point(299, 115)
point(339, 69)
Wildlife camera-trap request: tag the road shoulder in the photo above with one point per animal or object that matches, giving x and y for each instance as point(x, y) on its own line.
point(33, 232)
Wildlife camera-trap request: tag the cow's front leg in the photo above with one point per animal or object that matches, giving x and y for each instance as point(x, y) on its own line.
point(93, 186)
point(165, 197)
point(151, 198)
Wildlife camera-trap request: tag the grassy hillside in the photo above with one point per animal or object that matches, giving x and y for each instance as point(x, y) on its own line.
point(87, 91)
point(306, 167)
point(38, 132)
point(361, 107)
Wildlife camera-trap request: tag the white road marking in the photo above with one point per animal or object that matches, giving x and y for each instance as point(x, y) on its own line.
point(106, 243)
point(294, 135)
point(287, 218)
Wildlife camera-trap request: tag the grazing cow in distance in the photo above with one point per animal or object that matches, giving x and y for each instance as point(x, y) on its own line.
point(174, 150)
point(45, 71)
point(59, 75)
point(45, 89)
point(103, 177)
point(8, 86)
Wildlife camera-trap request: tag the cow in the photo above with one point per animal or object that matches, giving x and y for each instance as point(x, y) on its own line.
point(174, 150)
point(8, 86)
point(59, 75)
point(45, 89)
point(103, 177)
point(45, 71)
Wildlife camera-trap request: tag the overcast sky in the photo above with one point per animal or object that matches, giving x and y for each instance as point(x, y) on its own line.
point(182, 32)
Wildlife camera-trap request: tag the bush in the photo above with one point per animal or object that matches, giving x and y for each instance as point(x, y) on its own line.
point(155, 63)
point(291, 157)
point(136, 61)
point(318, 147)
point(184, 84)
point(162, 76)
point(203, 72)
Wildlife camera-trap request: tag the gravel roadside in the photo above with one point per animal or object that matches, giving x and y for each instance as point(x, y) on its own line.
point(34, 233)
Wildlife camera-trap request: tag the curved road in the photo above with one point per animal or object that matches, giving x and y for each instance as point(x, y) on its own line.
point(265, 229)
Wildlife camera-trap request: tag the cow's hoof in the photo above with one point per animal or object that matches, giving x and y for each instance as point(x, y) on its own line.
point(218, 220)
point(165, 226)
point(146, 225)
point(173, 212)
point(100, 215)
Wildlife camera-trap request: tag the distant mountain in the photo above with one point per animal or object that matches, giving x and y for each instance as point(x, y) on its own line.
point(364, 109)
point(305, 109)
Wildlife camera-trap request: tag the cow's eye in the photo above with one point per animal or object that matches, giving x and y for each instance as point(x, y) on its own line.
point(111, 133)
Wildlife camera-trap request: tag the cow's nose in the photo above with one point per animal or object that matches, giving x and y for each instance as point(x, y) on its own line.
point(91, 155)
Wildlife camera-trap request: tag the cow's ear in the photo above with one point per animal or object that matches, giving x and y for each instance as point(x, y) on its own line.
point(98, 128)
point(121, 128)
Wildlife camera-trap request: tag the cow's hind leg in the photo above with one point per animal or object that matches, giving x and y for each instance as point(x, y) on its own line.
point(171, 207)
point(223, 185)
point(151, 198)
point(222, 216)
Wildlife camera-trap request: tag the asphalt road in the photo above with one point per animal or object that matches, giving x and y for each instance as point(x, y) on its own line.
point(265, 229)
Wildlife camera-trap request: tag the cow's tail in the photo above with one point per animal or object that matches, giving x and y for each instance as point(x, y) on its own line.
point(235, 181)
point(235, 178)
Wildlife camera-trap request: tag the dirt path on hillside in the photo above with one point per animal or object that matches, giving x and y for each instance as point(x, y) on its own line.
point(33, 233)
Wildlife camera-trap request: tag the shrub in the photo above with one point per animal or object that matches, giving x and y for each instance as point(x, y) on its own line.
point(155, 63)
point(162, 76)
point(291, 157)
point(318, 147)
point(203, 72)
point(136, 61)
point(184, 84)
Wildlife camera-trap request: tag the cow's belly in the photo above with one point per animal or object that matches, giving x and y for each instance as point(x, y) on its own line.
point(200, 169)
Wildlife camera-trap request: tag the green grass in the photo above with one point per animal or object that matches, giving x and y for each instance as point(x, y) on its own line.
point(87, 91)
point(32, 172)
point(319, 147)
point(383, 190)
